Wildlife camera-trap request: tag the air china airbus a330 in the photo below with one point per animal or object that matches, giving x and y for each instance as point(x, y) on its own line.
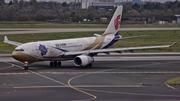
point(81, 50)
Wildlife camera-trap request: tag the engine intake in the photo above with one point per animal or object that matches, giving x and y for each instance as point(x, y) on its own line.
point(83, 60)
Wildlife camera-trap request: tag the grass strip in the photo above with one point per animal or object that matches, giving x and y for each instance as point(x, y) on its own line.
point(173, 81)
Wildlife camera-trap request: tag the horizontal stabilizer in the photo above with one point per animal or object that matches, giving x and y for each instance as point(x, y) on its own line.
point(129, 37)
point(97, 35)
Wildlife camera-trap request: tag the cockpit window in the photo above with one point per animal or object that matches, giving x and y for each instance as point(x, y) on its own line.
point(19, 50)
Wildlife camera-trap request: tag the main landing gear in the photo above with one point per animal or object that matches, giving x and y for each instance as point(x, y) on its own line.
point(55, 63)
point(90, 65)
point(26, 65)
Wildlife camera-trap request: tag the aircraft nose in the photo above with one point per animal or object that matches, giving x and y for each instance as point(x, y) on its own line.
point(20, 56)
point(15, 55)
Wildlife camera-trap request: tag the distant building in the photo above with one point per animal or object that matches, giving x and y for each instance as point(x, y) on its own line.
point(162, 22)
point(178, 18)
point(148, 0)
point(174, 22)
point(138, 1)
point(124, 1)
point(105, 5)
point(162, 1)
point(106, 0)
point(85, 5)
point(133, 1)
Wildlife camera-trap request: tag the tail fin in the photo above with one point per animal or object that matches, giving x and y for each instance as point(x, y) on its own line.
point(114, 24)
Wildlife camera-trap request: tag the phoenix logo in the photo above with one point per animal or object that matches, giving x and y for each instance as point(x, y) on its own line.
point(116, 22)
point(43, 49)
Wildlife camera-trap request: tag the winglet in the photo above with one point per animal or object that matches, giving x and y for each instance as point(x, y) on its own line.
point(5, 38)
point(174, 43)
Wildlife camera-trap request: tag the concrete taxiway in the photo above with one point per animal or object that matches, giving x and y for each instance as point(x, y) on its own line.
point(126, 77)
point(48, 30)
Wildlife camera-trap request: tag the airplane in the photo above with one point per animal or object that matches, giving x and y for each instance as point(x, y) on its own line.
point(81, 50)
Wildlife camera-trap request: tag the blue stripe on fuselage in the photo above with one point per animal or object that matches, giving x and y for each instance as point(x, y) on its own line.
point(112, 42)
point(61, 49)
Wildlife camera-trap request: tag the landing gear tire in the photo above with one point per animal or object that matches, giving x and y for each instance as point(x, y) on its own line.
point(88, 66)
point(55, 63)
point(26, 67)
point(51, 63)
point(59, 63)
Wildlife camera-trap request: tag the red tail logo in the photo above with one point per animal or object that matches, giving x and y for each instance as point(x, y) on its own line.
point(116, 22)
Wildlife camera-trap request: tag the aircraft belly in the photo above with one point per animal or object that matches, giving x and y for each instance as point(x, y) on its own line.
point(59, 58)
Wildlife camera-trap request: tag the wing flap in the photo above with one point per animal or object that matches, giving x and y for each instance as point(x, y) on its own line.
point(11, 42)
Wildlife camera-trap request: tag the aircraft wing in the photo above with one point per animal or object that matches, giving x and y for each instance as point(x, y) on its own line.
point(11, 42)
point(116, 49)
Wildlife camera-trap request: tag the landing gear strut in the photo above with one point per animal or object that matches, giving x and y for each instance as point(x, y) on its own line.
point(55, 63)
point(90, 65)
point(26, 65)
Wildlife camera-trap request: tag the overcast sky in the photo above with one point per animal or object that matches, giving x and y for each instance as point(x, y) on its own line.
point(7, 1)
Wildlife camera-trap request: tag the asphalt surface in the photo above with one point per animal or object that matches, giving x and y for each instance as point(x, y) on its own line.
point(112, 78)
point(48, 30)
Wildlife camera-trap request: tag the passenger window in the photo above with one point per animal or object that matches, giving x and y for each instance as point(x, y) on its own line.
point(21, 49)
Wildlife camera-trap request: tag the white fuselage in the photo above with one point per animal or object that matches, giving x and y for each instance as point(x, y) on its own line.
point(54, 49)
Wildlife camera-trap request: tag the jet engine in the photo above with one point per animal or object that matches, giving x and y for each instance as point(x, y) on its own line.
point(83, 60)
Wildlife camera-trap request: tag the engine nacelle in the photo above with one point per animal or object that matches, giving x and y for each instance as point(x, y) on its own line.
point(83, 60)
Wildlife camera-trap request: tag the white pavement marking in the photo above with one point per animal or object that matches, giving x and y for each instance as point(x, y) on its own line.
point(6, 67)
point(6, 74)
point(169, 86)
point(144, 72)
point(84, 86)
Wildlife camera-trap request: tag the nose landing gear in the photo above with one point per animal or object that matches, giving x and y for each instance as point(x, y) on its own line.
point(26, 65)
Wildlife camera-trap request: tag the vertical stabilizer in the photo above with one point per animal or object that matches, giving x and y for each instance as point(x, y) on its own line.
point(114, 24)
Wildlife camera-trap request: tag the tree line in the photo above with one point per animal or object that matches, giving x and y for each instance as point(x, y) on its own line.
point(70, 12)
